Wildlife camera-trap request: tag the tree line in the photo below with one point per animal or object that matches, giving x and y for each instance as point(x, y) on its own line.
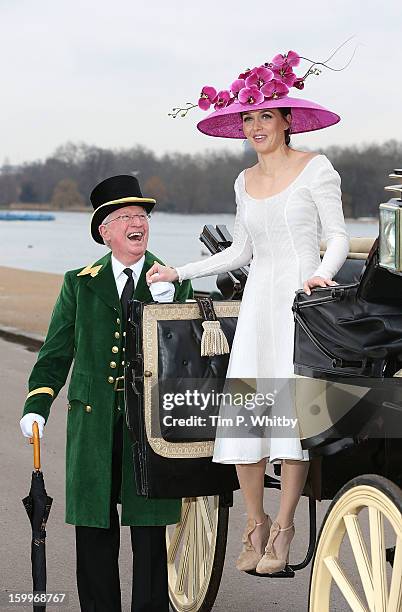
point(185, 183)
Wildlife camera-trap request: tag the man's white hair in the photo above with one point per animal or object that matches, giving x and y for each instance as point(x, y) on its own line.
point(106, 220)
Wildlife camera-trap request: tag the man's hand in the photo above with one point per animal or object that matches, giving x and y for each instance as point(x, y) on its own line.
point(157, 273)
point(317, 281)
point(28, 420)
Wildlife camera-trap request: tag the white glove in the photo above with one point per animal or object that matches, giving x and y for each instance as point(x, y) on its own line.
point(162, 291)
point(27, 421)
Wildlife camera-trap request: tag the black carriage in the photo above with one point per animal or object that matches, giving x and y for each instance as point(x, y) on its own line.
point(348, 365)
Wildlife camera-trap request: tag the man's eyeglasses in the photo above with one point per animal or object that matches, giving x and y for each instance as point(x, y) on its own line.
point(128, 218)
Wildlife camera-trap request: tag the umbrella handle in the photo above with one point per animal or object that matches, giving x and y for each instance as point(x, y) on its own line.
point(36, 444)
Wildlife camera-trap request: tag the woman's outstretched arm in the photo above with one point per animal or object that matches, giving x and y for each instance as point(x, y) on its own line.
point(237, 255)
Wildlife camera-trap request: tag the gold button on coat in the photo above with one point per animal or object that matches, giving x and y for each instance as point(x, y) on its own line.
point(113, 364)
point(110, 379)
point(88, 408)
point(115, 349)
point(116, 335)
point(118, 321)
point(69, 406)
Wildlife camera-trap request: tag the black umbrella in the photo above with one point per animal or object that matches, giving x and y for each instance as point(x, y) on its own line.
point(38, 504)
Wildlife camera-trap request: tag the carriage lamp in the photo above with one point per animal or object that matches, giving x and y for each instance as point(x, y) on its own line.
point(390, 255)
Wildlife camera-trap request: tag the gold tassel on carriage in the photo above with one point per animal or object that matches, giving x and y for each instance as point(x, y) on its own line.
point(213, 341)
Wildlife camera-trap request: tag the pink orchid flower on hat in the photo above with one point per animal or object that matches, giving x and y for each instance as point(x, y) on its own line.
point(291, 58)
point(282, 65)
point(222, 99)
point(285, 73)
point(259, 76)
point(236, 86)
point(207, 97)
point(251, 95)
point(274, 89)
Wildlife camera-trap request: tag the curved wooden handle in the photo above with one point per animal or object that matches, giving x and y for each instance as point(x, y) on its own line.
point(36, 444)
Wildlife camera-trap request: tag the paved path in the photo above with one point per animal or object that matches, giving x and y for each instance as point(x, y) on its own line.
point(238, 592)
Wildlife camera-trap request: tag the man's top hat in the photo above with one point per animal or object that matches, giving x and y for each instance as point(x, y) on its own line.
point(114, 193)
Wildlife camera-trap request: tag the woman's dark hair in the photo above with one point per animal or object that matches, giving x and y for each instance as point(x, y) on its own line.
point(284, 112)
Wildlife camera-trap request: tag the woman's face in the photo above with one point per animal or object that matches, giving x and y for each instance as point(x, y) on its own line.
point(265, 129)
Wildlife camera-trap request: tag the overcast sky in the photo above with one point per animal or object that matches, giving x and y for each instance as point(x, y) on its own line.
point(108, 72)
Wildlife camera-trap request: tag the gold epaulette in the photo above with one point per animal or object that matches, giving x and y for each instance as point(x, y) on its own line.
point(91, 269)
point(47, 390)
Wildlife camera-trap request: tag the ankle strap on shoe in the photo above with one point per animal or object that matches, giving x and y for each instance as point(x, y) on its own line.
point(263, 522)
point(286, 528)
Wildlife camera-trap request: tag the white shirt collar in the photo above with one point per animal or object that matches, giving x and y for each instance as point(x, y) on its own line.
point(118, 268)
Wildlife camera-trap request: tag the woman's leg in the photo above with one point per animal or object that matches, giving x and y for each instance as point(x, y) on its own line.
point(251, 479)
point(293, 479)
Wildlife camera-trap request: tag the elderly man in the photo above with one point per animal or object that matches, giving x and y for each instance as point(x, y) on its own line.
point(87, 328)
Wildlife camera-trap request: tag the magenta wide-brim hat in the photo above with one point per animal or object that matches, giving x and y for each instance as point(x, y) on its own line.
point(307, 116)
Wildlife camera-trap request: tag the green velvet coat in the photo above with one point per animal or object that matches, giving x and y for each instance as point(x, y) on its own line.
point(85, 328)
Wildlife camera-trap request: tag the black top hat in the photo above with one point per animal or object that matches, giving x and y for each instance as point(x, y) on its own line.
point(114, 193)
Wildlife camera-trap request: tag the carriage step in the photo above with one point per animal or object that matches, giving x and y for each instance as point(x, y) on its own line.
point(288, 572)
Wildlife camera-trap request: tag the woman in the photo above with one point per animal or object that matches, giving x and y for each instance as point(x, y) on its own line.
point(283, 202)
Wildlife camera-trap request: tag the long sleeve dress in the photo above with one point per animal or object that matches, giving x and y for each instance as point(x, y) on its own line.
point(279, 236)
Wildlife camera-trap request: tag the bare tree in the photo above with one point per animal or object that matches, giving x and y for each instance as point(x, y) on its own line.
point(66, 195)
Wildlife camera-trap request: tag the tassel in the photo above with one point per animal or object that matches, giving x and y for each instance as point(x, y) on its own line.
point(213, 341)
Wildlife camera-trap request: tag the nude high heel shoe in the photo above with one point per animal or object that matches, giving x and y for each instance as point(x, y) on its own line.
point(249, 557)
point(270, 563)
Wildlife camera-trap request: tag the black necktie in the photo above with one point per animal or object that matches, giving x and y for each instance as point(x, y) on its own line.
point(127, 293)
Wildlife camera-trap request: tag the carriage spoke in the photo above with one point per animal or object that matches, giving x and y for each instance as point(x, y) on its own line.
point(395, 591)
point(378, 559)
point(206, 553)
point(191, 586)
point(173, 542)
point(344, 585)
point(202, 552)
point(361, 556)
point(196, 566)
point(182, 571)
point(207, 517)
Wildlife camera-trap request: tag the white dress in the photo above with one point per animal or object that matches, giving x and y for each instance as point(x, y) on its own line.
point(280, 236)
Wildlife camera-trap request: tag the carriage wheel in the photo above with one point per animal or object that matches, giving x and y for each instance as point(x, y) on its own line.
point(365, 518)
point(196, 549)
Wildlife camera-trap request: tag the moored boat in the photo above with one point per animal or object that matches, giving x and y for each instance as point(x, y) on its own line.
point(26, 216)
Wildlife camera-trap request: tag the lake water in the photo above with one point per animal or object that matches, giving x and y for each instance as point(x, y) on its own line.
point(65, 243)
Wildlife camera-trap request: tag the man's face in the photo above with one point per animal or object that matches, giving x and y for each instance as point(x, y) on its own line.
point(127, 238)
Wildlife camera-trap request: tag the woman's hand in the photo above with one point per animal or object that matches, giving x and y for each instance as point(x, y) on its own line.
point(317, 281)
point(157, 273)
